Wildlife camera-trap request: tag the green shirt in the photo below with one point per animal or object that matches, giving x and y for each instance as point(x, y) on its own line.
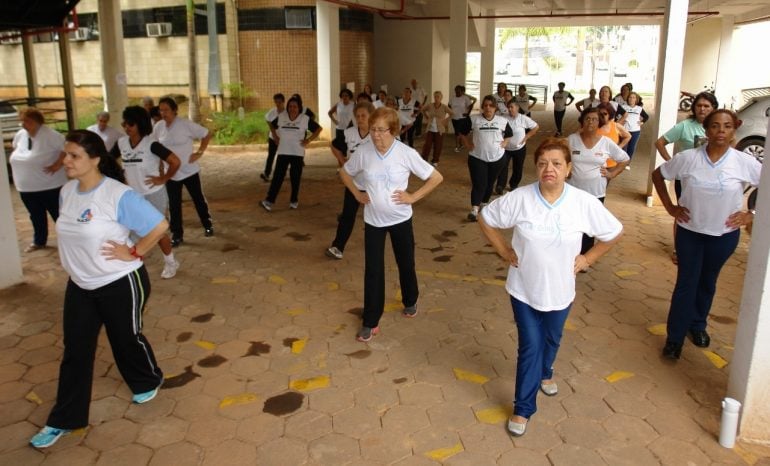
point(684, 134)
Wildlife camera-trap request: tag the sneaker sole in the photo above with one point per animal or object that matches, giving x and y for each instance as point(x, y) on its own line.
point(332, 255)
point(409, 316)
point(375, 331)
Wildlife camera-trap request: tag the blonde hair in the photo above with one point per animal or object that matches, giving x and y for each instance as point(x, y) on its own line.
point(389, 117)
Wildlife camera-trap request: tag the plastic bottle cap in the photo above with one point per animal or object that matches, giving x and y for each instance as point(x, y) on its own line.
point(731, 405)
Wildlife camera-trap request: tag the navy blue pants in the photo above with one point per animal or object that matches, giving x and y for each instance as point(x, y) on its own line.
point(517, 157)
point(346, 221)
point(483, 178)
point(558, 117)
point(631, 147)
point(39, 203)
point(539, 339)
point(701, 258)
point(272, 149)
point(174, 190)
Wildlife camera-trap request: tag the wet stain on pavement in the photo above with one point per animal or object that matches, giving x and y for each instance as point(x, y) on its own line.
point(298, 236)
point(722, 319)
point(284, 403)
point(484, 252)
point(287, 342)
point(265, 229)
point(182, 379)
point(448, 233)
point(257, 348)
point(442, 258)
point(436, 249)
point(400, 380)
point(230, 247)
point(360, 354)
point(440, 238)
point(203, 318)
point(183, 337)
point(356, 311)
point(214, 360)
point(501, 277)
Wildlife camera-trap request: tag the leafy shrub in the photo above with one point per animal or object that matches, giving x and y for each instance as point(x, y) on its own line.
point(230, 129)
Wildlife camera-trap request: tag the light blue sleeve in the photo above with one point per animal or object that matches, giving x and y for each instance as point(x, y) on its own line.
point(136, 214)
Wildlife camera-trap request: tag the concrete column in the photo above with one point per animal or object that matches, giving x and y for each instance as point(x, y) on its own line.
point(68, 84)
point(725, 85)
point(487, 77)
point(749, 368)
point(29, 66)
point(670, 57)
point(328, 51)
point(10, 272)
point(458, 41)
point(113, 59)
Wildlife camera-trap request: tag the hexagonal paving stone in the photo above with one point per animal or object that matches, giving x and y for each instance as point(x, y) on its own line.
point(334, 449)
point(308, 425)
point(356, 421)
point(405, 419)
point(211, 431)
point(524, 456)
point(376, 397)
point(230, 452)
point(384, 446)
point(632, 455)
point(330, 400)
point(111, 434)
point(162, 431)
point(629, 430)
point(125, 455)
point(283, 451)
point(196, 407)
point(420, 394)
point(586, 406)
point(450, 416)
point(260, 429)
point(573, 454)
point(177, 454)
point(671, 451)
point(488, 439)
point(672, 423)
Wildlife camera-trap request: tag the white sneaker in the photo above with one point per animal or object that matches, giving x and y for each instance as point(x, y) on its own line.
point(267, 205)
point(334, 252)
point(293, 205)
point(169, 270)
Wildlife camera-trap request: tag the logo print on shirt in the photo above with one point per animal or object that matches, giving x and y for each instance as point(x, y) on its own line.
point(86, 216)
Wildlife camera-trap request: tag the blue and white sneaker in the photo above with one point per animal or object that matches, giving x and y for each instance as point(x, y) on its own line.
point(47, 436)
point(140, 398)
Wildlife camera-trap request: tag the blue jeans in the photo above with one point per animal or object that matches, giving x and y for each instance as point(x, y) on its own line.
point(539, 338)
point(631, 147)
point(38, 204)
point(701, 258)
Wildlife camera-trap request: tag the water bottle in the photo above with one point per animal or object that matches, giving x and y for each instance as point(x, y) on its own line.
point(729, 426)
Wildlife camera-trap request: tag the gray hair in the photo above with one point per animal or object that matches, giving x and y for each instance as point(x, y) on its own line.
point(147, 100)
point(101, 115)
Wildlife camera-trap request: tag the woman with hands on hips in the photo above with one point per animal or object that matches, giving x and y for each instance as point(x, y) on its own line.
point(382, 170)
point(708, 219)
point(549, 218)
point(108, 282)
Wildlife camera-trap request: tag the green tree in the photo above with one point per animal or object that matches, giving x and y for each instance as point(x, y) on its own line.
point(507, 34)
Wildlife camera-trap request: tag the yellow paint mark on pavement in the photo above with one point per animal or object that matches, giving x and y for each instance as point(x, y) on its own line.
point(295, 312)
point(32, 396)
point(470, 376)
point(298, 346)
point(568, 325)
point(313, 383)
point(224, 280)
point(492, 415)
point(239, 399)
point(207, 345)
point(646, 221)
point(436, 309)
point(625, 273)
point(747, 457)
point(491, 281)
point(393, 306)
point(442, 454)
point(79, 432)
point(659, 329)
point(332, 286)
point(618, 376)
point(717, 360)
point(277, 280)
point(398, 297)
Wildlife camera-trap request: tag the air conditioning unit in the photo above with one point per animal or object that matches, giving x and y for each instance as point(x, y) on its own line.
point(158, 29)
point(80, 34)
point(10, 37)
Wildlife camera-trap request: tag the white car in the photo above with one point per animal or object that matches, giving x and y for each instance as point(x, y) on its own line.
point(752, 132)
point(10, 123)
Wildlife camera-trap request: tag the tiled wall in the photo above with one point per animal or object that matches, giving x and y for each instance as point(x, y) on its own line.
point(356, 58)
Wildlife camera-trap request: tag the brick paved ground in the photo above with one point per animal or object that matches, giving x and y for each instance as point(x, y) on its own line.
point(256, 337)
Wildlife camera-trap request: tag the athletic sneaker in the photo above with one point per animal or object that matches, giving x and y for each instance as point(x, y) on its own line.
point(47, 437)
point(293, 205)
point(366, 333)
point(473, 214)
point(267, 205)
point(140, 398)
point(169, 270)
point(457, 149)
point(333, 252)
point(264, 177)
point(410, 311)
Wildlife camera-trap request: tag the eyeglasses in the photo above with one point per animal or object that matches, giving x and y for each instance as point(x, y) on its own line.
point(591, 119)
point(379, 130)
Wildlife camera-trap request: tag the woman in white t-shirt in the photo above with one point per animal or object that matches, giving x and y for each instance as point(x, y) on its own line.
point(486, 152)
point(590, 153)
point(708, 220)
point(178, 134)
point(341, 116)
point(36, 163)
point(108, 283)
point(437, 115)
point(635, 118)
point(461, 105)
point(548, 219)
point(523, 128)
point(381, 171)
point(524, 100)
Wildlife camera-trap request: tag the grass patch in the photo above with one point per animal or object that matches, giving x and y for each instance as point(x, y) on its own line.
point(230, 129)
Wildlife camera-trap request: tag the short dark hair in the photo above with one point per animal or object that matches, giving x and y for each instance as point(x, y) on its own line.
point(136, 115)
point(93, 145)
point(364, 95)
point(279, 96)
point(347, 92)
point(707, 96)
point(733, 116)
point(170, 102)
point(155, 112)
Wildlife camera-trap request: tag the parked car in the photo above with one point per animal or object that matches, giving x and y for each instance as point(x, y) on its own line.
point(9, 121)
point(752, 132)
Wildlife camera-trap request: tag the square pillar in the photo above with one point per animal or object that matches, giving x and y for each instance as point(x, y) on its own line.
point(458, 41)
point(328, 51)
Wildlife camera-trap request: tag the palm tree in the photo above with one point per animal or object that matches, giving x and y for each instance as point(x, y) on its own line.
point(507, 34)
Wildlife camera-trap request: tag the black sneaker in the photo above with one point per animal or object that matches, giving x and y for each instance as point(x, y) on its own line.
point(176, 242)
point(700, 338)
point(264, 177)
point(207, 232)
point(672, 350)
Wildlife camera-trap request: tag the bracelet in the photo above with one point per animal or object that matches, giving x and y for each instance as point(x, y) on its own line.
point(133, 252)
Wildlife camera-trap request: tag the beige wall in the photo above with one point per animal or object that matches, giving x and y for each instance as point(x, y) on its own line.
point(701, 49)
point(356, 59)
point(402, 51)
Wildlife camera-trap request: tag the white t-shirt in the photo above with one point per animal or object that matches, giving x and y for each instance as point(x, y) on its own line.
point(418, 95)
point(502, 109)
point(178, 138)
point(633, 117)
point(711, 191)
point(28, 165)
point(88, 220)
point(586, 163)
point(269, 117)
point(519, 125)
point(380, 175)
point(459, 106)
point(620, 100)
point(110, 135)
point(522, 101)
point(487, 137)
point(406, 114)
point(590, 103)
point(344, 115)
point(142, 161)
point(546, 239)
point(293, 132)
point(354, 140)
point(560, 100)
point(378, 104)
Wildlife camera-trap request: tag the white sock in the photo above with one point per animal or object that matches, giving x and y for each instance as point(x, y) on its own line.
point(169, 258)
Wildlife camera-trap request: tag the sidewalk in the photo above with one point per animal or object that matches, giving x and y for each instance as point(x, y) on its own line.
point(256, 337)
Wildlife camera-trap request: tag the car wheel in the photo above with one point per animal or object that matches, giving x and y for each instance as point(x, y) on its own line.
point(754, 146)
